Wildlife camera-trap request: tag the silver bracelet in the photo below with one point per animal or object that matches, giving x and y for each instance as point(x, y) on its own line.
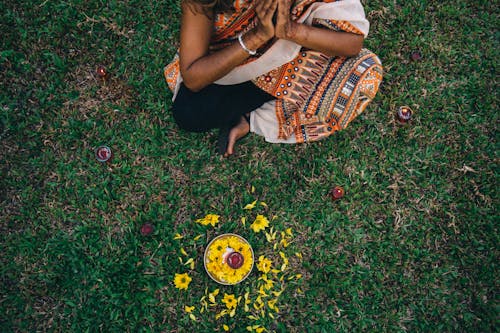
point(244, 47)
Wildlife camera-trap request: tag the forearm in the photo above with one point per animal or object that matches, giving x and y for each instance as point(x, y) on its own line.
point(331, 43)
point(211, 67)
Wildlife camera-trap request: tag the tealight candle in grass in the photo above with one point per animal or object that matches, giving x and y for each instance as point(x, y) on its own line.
point(416, 56)
point(147, 229)
point(404, 114)
point(103, 154)
point(337, 192)
point(101, 71)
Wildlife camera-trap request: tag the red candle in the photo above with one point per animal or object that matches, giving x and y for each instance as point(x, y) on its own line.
point(235, 260)
point(103, 154)
point(101, 71)
point(404, 114)
point(147, 229)
point(337, 192)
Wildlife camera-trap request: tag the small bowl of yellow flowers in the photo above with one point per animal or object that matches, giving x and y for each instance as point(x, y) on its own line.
point(228, 259)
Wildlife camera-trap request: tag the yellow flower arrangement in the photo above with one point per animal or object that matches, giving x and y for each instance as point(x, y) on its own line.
point(218, 259)
point(229, 259)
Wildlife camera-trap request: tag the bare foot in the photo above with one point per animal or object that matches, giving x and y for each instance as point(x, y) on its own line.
point(236, 133)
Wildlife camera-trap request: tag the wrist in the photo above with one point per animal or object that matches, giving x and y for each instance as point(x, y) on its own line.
point(260, 35)
point(250, 51)
point(294, 31)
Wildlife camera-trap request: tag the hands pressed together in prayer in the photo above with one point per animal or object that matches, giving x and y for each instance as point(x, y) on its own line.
point(274, 19)
point(200, 67)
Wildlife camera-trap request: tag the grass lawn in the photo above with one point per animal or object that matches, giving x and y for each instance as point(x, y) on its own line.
point(412, 246)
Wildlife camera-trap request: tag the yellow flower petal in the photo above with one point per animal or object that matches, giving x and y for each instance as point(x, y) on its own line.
point(188, 309)
point(225, 327)
point(183, 251)
point(271, 236)
point(211, 219)
point(212, 295)
point(221, 314)
point(178, 236)
point(198, 237)
point(250, 205)
point(277, 293)
point(272, 304)
point(192, 316)
point(263, 204)
point(243, 221)
point(264, 265)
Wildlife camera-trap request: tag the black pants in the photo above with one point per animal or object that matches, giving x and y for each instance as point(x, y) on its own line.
point(216, 106)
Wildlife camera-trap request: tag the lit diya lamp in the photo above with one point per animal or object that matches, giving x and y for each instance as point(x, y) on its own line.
point(404, 114)
point(103, 154)
point(235, 260)
point(228, 259)
point(101, 71)
point(337, 192)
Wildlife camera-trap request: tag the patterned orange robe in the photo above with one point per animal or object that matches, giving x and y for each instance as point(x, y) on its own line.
point(316, 95)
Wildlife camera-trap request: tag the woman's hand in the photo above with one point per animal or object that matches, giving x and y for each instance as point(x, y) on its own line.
point(285, 27)
point(329, 42)
point(265, 10)
point(198, 66)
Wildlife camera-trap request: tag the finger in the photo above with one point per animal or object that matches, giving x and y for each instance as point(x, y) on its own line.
point(266, 5)
point(282, 4)
point(266, 13)
point(262, 5)
point(273, 5)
